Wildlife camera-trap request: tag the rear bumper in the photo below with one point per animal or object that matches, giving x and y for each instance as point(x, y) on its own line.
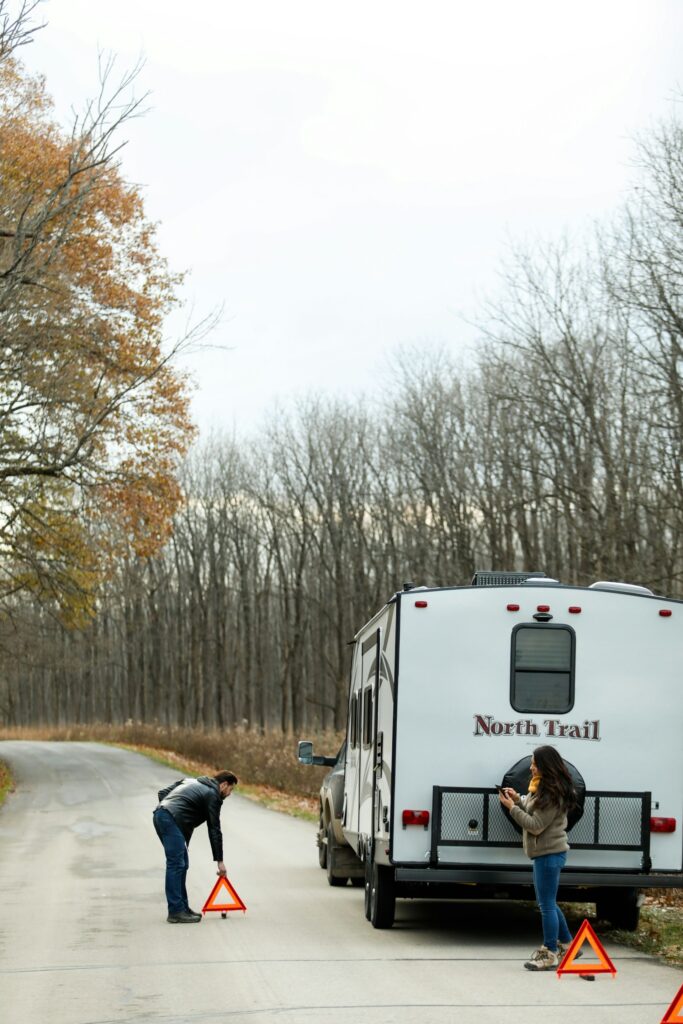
point(510, 877)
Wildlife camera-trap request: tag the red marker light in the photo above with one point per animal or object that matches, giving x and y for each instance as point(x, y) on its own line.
point(420, 604)
point(574, 609)
point(662, 824)
point(513, 607)
point(665, 613)
point(543, 608)
point(415, 818)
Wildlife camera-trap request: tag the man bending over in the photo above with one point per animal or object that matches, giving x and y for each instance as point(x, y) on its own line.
point(182, 807)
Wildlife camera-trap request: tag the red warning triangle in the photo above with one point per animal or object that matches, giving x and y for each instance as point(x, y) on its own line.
point(223, 897)
point(569, 965)
point(674, 1015)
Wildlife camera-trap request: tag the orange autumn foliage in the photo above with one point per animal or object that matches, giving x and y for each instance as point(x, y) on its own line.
point(93, 416)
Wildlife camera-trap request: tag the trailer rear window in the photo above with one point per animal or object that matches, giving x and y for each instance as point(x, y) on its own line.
point(542, 677)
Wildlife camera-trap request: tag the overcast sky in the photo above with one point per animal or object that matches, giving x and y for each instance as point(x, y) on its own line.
point(345, 178)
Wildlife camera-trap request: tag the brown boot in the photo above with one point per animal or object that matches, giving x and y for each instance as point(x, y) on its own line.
point(562, 948)
point(542, 959)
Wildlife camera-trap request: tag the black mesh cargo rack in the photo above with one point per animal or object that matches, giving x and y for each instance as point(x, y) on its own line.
point(611, 820)
point(486, 578)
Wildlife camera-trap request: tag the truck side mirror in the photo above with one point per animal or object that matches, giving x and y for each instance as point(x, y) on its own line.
point(305, 752)
point(306, 755)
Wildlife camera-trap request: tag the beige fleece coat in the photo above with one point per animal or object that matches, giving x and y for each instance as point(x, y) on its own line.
point(544, 830)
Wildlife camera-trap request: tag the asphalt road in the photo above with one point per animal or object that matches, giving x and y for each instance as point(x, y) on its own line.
point(84, 938)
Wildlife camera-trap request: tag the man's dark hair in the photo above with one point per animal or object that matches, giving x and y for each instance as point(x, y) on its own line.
point(226, 776)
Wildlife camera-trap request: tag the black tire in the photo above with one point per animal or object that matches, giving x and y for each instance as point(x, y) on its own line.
point(332, 878)
point(368, 888)
point(382, 896)
point(621, 907)
point(519, 776)
point(322, 847)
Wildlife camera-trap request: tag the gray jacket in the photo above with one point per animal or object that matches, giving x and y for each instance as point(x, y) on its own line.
point(193, 801)
point(544, 830)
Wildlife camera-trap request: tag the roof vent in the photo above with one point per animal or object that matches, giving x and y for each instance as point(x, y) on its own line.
point(486, 578)
point(622, 588)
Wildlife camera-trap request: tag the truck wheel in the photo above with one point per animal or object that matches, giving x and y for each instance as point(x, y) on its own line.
point(322, 845)
point(332, 878)
point(621, 907)
point(381, 897)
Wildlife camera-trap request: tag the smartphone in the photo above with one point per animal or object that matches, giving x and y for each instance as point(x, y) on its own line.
point(499, 788)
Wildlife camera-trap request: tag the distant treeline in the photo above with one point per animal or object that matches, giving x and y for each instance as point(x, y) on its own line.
point(556, 446)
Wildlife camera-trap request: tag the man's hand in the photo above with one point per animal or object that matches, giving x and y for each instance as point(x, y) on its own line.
point(221, 868)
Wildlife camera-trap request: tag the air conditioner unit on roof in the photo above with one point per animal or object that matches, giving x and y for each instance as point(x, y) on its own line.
point(488, 578)
point(622, 588)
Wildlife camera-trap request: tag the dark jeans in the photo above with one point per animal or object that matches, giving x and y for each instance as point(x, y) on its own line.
point(546, 881)
point(177, 860)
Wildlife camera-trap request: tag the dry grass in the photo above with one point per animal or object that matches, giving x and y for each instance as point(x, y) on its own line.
point(305, 807)
point(265, 760)
point(6, 785)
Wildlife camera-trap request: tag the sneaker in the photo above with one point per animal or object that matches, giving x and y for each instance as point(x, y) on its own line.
point(562, 948)
point(184, 917)
point(542, 959)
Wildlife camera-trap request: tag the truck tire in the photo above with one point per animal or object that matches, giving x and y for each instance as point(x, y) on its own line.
point(621, 907)
point(380, 896)
point(322, 845)
point(332, 877)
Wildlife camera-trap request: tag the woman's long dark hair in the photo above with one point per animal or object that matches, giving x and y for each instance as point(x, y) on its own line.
point(556, 786)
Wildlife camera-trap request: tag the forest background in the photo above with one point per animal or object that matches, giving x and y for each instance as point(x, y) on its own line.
point(199, 598)
point(213, 586)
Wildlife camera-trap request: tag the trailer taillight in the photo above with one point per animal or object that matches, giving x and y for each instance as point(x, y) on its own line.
point(415, 818)
point(513, 607)
point(574, 609)
point(420, 604)
point(543, 608)
point(662, 824)
point(665, 613)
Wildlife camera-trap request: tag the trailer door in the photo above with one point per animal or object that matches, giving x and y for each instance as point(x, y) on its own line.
point(368, 733)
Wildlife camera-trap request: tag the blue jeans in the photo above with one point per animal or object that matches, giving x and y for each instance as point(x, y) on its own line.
point(546, 881)
point(177, 860)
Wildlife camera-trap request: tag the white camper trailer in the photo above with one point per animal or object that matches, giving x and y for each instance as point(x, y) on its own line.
point(451, 688)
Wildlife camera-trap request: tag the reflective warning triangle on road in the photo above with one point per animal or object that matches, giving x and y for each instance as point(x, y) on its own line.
point(674, 1015)
point(569, 964)
point(223, 897)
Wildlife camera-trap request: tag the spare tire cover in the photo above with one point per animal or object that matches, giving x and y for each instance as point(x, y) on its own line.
point(519, 776)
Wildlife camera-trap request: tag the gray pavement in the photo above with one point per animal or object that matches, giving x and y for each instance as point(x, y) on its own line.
point(84, 938)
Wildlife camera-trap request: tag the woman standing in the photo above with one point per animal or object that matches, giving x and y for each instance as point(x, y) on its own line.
point(542, 815)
